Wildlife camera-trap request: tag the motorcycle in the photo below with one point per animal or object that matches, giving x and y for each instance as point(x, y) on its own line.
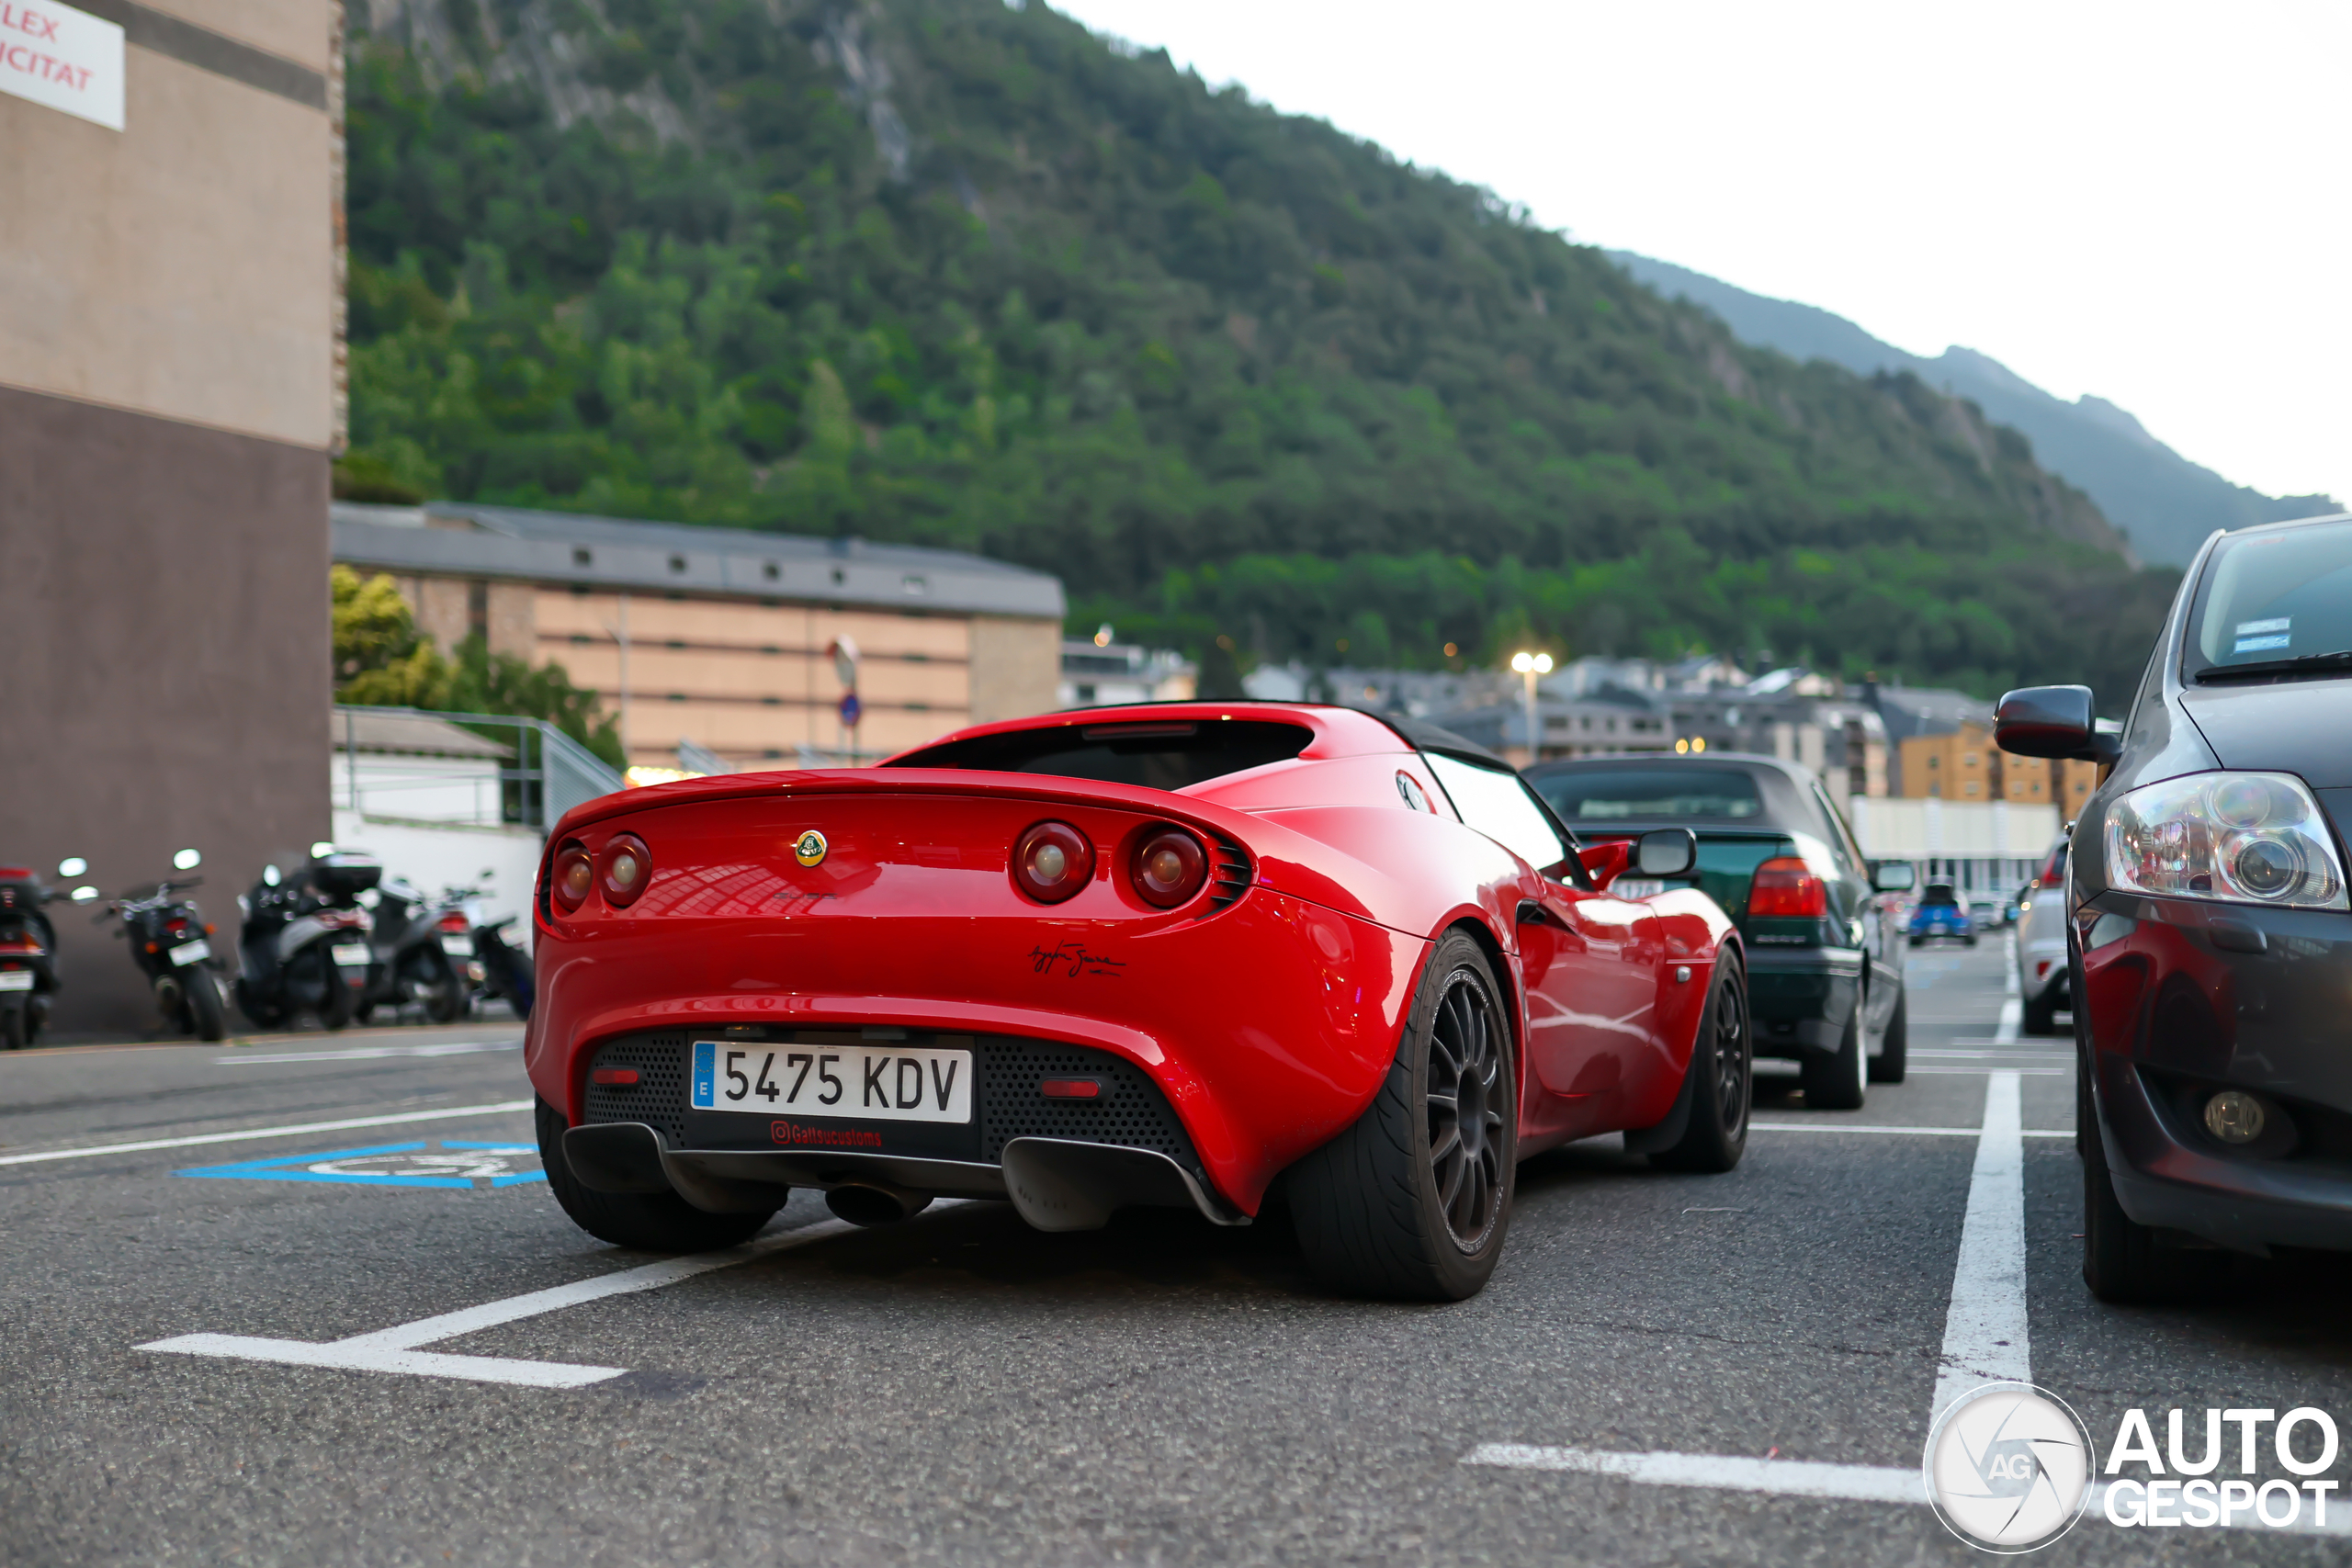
point(29, 974)
point(304, 946)
point(506, 969)
point(422, 949)
point(172, 945)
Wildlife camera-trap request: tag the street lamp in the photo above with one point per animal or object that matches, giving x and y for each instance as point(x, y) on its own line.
point(1531, 665)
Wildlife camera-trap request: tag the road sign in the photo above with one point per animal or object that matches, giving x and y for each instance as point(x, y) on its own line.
point(851, 709)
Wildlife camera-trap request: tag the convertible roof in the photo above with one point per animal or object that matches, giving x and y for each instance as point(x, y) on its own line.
point(1430, 737)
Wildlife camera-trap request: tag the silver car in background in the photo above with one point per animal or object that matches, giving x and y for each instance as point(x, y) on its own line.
point(2041, 943)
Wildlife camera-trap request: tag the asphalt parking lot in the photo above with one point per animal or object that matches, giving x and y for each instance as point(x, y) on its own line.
point(375, 1339)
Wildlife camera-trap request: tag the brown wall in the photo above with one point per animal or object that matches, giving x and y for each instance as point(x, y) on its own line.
point(167, 686)
point(1016, 667)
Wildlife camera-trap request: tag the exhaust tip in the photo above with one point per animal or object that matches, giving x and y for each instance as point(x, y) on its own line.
point(865, 1204)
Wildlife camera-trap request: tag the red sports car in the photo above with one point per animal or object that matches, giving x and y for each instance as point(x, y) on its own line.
point(1173, 956)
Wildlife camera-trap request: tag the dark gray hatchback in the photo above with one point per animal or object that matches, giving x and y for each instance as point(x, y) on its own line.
point(2208, 931)
point(1824, 954)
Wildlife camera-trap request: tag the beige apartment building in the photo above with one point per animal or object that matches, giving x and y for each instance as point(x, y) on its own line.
point(1965, 766)
point(725, 638)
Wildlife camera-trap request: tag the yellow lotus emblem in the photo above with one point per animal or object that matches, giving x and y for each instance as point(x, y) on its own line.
point(810, 848)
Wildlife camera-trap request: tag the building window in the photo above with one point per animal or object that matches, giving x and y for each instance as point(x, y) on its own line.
point(677, 563)
point(1971, 786)
point(770, 648)
point(673, 642)
point(581, 640)
point(772, 571)
point(583, 558)
point(677, 696)
point(914, 584)
point(478, 609)
point(771, 701)
point(840, 577)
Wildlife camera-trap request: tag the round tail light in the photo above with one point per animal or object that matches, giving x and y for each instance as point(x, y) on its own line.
point(623, 869)
point(1052, 861)
point(1169, 866)
point(575, 874)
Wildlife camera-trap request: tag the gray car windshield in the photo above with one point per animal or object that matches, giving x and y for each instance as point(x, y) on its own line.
point(2270, 599)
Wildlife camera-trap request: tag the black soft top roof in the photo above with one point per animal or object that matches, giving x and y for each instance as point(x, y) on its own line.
point(1430, 737)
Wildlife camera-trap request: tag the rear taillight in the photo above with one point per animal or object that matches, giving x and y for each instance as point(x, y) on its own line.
point(1052, 861)
point(1786, 887)
point(1071, 1088)
point(614, 1077)
point(175, 925)
point(623, 869)
point(573, 878)
point(2053, 877)
point(455, 923)
point(20, 943)
point(1167, 868)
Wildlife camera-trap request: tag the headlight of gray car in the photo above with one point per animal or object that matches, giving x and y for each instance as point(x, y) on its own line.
point(2244, 837)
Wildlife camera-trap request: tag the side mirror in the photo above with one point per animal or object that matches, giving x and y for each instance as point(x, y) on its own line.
point(86, 895)
point(269, 876)
point(1667, 851)
point(187, 860)
point(1894, 876)
point(2052, 721)
point(72, 866)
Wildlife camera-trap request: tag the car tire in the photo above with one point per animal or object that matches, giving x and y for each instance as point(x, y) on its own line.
point(1723, 1080)
point(2123, 1261)
point(1893, 1059)
point(1917, 941)
point(1839, 1080)
point(1383, 1209)
point(648, 1222)
point(1969, 941)
point(2039, 1016)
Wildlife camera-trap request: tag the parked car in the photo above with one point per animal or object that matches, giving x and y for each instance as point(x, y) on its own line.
point(1940, 914)
point(2209, 937)
point(1825, 953)
point(1162, 955)
point(2042, 944)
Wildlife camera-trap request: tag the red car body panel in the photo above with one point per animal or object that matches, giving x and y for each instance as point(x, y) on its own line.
point(1268, 1024)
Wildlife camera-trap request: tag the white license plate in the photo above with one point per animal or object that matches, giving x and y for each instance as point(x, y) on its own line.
point(457, 946)
point(865, 1083)
point(15, 979)
point(1637, 887)
point(349, 955)
point(190, 952)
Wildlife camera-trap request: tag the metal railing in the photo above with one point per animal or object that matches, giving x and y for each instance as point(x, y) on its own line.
point(546, 774)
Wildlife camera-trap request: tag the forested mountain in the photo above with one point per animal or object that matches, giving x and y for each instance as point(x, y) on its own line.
point(2165, 502)
point(961, 273)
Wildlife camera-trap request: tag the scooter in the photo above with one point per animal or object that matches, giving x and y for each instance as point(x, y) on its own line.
point(172, 945)
point(506, 969)
point(419, 947)
point(304, 944)
point(29, 974)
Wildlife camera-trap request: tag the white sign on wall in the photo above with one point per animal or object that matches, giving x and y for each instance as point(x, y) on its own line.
point(66, 58)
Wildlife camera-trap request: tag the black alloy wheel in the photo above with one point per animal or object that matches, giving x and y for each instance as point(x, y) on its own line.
point(1412, 1202)
point(1723, 1079)
point(1464, 1099)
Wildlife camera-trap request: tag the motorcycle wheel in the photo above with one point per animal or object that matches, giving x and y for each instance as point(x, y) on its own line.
point(258, 1013)
point(341, 1002)
point(433, 980)
point(204, 1014)
point(14, 1033)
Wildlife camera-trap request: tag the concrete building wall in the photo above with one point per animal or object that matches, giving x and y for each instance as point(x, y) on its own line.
point(1016, 667)
point(167, 353)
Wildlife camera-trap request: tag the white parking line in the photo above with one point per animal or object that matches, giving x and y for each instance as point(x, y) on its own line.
point(394, 1350)
point(503, 1108)
point(1913, 1132)
point(1729, 1472)
point(1985, 1327)
point(365, 1052)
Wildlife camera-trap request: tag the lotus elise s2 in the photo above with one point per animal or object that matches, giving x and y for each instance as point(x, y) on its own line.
point(1183, 955)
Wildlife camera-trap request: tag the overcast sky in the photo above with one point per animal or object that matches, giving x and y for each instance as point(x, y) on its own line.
point(2147, 202)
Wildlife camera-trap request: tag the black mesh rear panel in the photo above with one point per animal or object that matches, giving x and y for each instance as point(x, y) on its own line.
point(1131, 1112)
point(658, 1097)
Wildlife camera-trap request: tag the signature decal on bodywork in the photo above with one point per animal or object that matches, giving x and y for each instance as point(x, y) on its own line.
point(1074, 961)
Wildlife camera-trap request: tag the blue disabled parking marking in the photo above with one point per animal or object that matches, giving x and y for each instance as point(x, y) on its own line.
point(444, 1162)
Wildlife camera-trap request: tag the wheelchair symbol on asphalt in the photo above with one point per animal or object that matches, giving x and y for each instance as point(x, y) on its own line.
point(445, 1163)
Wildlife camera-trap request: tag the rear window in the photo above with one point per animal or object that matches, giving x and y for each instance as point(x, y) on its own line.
point(1651, 794)
point(1169, 754)
point(1937, 893)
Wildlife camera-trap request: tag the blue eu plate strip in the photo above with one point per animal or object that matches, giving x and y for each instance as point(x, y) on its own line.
point(705, 1087)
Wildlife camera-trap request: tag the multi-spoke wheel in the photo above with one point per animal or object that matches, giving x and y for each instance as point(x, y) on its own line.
point(1721, 1080)
point(1465, 1098)
point(1413, 1201)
